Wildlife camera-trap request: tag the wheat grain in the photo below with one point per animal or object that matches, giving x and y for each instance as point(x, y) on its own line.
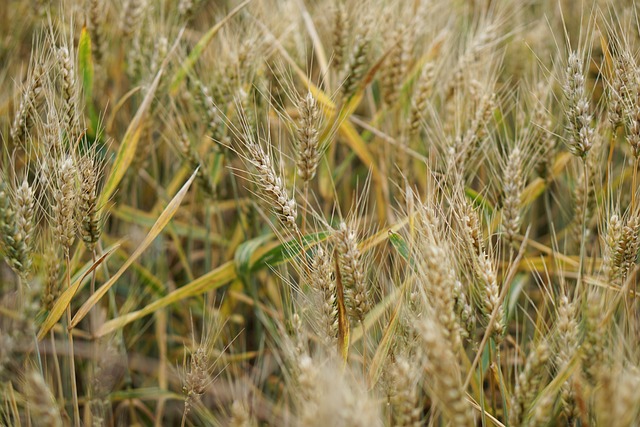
point(528, 383)
point(421, 95)
point(30, 103)
point(96, 14)
point(196, 379)
point(132, 15)
point(352, 273)
point(513, 184)
point(322, 282)
point(577, 111)
point(567, 334)
point(308, 149)
point(441, 365)
point(340, 25)
point(88, 209)
point(64, 208)
point(17, 222)
point(405, 408)
point(69, 91)
point(395, 69)
point(271, 184)
point(356, 66)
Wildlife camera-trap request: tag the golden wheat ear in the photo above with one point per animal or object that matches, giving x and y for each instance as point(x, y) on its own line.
point(88, 210)
point(308, 149)
point(65, 199)
point(528, 383)
point(441, 364)
point(42, 404)
point(352, 272)
point(323, 284)
point(17, 226)
point(33, 97)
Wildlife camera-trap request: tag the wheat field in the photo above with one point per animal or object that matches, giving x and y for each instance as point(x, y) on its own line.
point(319, 213)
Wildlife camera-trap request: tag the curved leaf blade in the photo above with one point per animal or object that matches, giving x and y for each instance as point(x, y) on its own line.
point(210, 281)
point(160, 224)
point(129, 144)
point(65, 298)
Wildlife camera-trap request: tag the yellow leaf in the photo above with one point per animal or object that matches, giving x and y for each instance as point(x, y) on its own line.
point(64, 300)
point(129, 144)
point(212, 280)
point(227, 273)
point(385, 344)
point(160, 224)
point(343, 320)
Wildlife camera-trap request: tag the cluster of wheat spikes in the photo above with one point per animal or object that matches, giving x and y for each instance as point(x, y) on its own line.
point(319, 213)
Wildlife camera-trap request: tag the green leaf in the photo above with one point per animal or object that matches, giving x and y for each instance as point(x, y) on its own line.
point(226, 273)
point(217, 168)
point(400, 245)
point(85, 68)
point(479, 201)
point(244, 253)
point(144, 393)
point(288, 250)
point(486, 358)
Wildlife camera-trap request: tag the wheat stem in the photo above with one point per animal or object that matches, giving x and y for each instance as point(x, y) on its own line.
point(72, 366)
point(633, 184)
point(584, 226)
point(56, 365)
point(304, 208)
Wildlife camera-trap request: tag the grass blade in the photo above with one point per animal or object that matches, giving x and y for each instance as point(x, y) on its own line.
point(200, 46)
point(65, 298)
point(212, 280)
point(343, 319)
point(160, 224)
point(129, 144)
point(388, 338)
point(85, 68)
